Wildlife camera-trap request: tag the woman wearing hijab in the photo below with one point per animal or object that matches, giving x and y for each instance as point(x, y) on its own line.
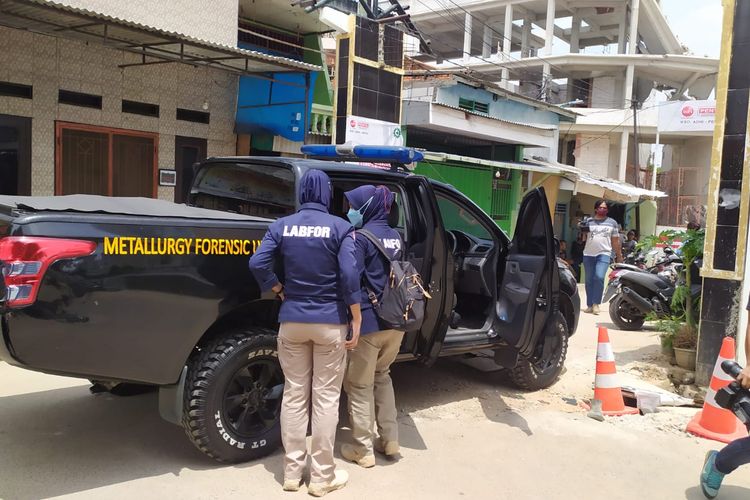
point(316, 251)
point(368, 382)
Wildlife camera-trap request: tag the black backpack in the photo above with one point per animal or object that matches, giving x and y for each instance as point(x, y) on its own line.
point(403, 302)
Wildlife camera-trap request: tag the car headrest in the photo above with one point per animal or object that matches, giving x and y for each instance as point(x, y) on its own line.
point(393, 215)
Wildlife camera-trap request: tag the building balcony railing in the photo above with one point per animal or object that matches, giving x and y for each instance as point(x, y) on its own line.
point(321, 120)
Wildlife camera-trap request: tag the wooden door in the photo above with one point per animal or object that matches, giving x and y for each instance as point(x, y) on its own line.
point(105, 161)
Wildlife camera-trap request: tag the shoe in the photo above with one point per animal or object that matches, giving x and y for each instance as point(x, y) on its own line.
point(595, 309)
point(711, 478)
point(387, 448)
point(589, 310)
point(350, 453)
point(292, 484)
point(340, 478)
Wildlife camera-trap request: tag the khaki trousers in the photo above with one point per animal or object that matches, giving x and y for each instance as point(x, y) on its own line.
point(370, 390)
point(313, 358)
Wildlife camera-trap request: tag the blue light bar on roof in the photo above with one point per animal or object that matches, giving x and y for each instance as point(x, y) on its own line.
point(396, 154)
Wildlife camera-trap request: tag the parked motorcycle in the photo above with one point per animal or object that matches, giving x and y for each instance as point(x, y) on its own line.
point(636, 258)
point(666, 267)
point(638, 294)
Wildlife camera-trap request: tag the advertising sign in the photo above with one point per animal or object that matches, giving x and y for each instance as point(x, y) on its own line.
point(366, 131)
point(687, 116)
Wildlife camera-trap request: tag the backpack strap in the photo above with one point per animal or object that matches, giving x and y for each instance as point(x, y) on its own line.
point(379, 245)
point(375, 241)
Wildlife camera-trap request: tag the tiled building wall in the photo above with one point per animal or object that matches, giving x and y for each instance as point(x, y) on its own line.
point(50, 64)
point(214, 21)
point(695, 153)
point(721, 299)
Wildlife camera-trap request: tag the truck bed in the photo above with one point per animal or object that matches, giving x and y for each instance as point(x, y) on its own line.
point(132, 311)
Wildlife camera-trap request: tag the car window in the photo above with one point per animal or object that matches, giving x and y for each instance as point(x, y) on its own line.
point(531, 230)
point(458, 217)
point(251, 189)
point(340, 207)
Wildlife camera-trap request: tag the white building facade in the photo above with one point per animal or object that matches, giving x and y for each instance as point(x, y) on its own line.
point(596, 57)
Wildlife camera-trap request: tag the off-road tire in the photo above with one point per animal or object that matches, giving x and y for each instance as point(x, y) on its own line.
point(210, 374)
point(528, 374)
point(632, 324)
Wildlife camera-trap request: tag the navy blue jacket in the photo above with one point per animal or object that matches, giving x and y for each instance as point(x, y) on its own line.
point(372, 266)
point(316, 252)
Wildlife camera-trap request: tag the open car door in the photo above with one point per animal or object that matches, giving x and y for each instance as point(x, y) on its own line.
point(530, 283)
point(429, 253)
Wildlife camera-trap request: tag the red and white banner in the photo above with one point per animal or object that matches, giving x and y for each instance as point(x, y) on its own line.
point(687, 116)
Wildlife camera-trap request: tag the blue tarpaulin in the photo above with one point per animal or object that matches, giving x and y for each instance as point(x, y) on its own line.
point(274, 107)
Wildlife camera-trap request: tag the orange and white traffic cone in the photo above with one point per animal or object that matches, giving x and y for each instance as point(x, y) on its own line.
point(714, 422)
point(606, 388)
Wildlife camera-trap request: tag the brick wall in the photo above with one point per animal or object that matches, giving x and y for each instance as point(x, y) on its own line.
point(50, 64)
point(592, 154)
point(603, 93)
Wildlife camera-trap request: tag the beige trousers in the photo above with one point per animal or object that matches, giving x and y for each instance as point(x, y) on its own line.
point(313, 358)
point(370, 390)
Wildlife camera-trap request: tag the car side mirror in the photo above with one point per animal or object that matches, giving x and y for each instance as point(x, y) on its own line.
point(556, 246)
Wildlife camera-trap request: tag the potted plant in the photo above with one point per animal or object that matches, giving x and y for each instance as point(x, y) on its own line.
point(681, 330)
point(685, 343)
point(668, 329)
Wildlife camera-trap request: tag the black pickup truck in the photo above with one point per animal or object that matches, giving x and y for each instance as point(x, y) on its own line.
point(130, 290)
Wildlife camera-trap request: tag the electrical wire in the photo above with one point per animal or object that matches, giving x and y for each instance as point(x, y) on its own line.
point(471, 71)
point(504, 37)
point(605, 134)
point(475, 74)
point(461, 26)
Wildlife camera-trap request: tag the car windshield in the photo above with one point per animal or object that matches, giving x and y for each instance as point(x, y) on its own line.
point(456, 217)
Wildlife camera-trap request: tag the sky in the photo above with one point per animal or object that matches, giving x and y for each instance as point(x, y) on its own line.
point(697, 23)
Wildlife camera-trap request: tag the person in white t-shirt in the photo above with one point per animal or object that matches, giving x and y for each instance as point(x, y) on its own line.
point(601, 238)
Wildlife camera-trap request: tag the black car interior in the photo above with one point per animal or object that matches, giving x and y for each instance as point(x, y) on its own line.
point(339, 205)
point(475, 255)
point(474, 280)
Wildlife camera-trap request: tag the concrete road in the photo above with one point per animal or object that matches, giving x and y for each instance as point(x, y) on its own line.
point(465, 434)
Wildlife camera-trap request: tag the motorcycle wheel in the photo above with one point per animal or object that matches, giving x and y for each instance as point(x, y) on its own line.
point(625, 316)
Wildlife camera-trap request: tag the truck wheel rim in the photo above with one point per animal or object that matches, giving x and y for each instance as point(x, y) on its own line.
point(544, 363)
point(252, 399)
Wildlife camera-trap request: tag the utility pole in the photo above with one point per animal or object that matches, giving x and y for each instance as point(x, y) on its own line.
point(635, 105)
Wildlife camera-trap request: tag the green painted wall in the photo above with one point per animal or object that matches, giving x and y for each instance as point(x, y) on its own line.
point(648, 218)
point(473, 181)
point(517, 180)
point(476, 182)
point(323, 92)
point(516, 191)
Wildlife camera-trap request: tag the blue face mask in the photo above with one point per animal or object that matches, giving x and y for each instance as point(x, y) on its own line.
point(356, 217)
